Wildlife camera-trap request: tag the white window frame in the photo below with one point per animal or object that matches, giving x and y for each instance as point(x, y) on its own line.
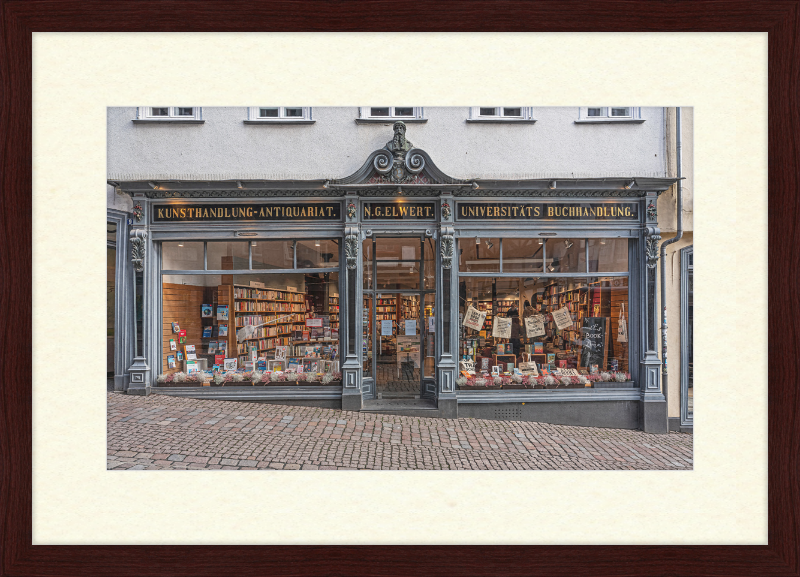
point(145, 114)
point(635, 116)
point(253, 116)
point(526, 116)
point(365, 115)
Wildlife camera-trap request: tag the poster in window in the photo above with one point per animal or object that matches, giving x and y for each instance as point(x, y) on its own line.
point(411, 327)
point(386, 328)
point(474, 318)
point(501, 328)
point(534, 326)
point(562, 318)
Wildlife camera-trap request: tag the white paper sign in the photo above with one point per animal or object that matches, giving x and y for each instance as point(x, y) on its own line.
point(529, 369)
point(411, 327)
point(562, 318)
point(501, 328)
point(386, 328)
point(191, 356)
point(534, 326)
point(431, 324)
point(474, 318)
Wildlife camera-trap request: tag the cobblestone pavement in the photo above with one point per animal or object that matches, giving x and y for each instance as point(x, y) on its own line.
point(161, 432)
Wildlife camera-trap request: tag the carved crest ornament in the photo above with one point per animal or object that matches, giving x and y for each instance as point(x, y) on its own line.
point(399, 162)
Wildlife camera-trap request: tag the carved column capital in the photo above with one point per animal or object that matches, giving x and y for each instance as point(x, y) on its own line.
point(651, 241)
point(138, 239)
point(351, 242)
point(447, 246)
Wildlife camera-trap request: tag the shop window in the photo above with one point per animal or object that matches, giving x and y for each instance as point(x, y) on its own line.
point(272, 254)
point(564, 255)
point(478, 254)
point(317, 253)
point(687, 336)
point(543, 333)
point(279, 115)
point(608, 255)
point(249, 329)
point(182, 255)
point(511, 114)
point(224, 255)
point(523, 254)
point(191, 114)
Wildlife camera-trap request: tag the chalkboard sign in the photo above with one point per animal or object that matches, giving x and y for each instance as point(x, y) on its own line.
point(594, 333)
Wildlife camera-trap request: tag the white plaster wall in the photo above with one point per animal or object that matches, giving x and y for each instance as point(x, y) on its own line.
point(668, 201)
point(673, 278)
point(335, 146)
point(119, 201)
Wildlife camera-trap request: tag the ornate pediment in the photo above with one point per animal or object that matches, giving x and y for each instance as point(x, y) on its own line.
point(399, 163)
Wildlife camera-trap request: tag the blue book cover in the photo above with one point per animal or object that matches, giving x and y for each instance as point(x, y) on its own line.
point(207, 331)
point(206, 311)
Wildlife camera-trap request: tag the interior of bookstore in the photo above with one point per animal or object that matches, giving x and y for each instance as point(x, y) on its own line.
point(543, 313)
point(260, 312)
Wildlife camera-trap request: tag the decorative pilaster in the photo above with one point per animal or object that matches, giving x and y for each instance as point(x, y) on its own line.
point(139, 371)
point(447, 366)
point(653, 416)
point(351, 368)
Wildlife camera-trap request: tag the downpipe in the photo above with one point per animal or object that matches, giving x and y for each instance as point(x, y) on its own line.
point(663, 257)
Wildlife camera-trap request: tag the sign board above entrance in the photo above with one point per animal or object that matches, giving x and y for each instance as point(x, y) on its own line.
point(547, 211)
point(399, 211)
point(248, 212)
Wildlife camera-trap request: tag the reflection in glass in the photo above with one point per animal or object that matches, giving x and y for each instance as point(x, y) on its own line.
point(268, 254)
point(479, 254)
point(224, 255)
point(565, 255)
point(522, 254)
point(317, 253)
point(608, 255)
point(182, 255)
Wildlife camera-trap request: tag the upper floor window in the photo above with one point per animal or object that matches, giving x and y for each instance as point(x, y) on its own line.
point(501, 114)
point(191, 114)
point(376, 114)
point(609, 114)
point(279, 115)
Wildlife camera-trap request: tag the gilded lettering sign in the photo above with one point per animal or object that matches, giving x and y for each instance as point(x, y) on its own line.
point(546, 211)
point(399, 211)
point(257, 212)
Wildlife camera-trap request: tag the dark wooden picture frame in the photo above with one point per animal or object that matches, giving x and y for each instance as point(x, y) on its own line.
point(19, 19)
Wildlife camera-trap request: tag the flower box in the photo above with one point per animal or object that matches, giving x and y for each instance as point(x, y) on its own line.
point(481, 387)
point(516, 386)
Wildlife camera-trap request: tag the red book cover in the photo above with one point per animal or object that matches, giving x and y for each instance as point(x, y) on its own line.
point(219, 359)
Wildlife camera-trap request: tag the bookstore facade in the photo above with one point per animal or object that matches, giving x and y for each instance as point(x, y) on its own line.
point(525, 299)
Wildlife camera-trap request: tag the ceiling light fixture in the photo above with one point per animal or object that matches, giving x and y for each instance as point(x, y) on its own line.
point(568, 243)
point(316, 243)
point(477, 240)
point(180, 244)
point(489, 244)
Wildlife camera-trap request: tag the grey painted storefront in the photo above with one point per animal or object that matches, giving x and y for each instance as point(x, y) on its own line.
point(400, 173)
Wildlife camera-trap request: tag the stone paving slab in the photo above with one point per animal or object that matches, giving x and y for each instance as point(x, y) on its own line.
point(162, 432)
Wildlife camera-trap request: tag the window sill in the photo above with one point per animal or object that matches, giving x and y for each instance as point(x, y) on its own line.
point(281, 121)
point(167, 121)
point(390, 120)
point(611, 121)
point(501, 120)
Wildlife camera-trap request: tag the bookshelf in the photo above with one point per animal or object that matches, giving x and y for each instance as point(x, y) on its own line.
point(333, 311)
point(255, 306)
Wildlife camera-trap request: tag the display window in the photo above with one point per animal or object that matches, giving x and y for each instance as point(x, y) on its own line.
point(545, 330)
point(252, 326)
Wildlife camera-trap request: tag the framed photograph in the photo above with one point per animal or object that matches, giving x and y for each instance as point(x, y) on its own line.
point(52, 108)
point(496, 369)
